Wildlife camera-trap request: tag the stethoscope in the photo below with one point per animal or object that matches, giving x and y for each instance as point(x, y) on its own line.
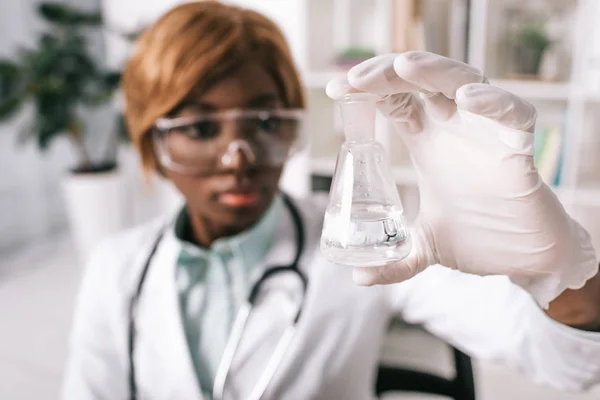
point(240, 321)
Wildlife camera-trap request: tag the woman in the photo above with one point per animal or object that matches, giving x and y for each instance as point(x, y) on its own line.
point(214, 105)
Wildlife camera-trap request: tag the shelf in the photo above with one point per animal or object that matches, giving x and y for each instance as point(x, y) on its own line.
point(319, 79)
point(535, 89)
point(403, 175)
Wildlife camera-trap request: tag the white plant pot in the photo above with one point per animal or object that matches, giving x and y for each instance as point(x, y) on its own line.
point(95, 207)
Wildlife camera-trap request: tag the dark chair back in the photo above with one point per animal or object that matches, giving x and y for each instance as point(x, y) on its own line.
point(461, 387)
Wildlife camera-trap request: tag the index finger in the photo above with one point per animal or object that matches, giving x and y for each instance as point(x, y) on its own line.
point(434, 73)
point(376, 75)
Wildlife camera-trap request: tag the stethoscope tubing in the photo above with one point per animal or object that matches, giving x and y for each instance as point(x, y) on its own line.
point(240, 320)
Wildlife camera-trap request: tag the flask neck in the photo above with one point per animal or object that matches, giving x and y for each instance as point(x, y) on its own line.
point(359, 141)
point(358, 117)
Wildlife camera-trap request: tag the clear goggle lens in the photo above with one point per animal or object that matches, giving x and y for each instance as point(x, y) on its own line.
point(207, 142)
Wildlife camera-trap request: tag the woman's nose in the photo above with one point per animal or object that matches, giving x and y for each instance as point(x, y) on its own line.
point(239, 155)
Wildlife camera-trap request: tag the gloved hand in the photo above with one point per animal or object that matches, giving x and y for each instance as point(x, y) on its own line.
point(484, 208)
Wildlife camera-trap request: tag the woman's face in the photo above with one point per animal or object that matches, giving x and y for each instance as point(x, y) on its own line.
point(234, 196)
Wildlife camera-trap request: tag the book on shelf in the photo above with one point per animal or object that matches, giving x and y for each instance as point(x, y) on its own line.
point(408, 31)
point(548, 153)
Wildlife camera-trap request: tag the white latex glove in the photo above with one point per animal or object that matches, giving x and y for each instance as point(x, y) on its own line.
point(484, 208)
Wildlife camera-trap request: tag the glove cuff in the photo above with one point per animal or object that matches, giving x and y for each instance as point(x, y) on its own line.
point(582, 266)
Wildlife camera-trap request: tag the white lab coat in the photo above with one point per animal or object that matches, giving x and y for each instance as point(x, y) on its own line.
point(334, 354)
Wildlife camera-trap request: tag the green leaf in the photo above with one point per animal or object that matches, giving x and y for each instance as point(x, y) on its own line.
point(358, 52)
point(122, 129)
point(128, 36)
point(44, 139)
point(11, 89)
point(112, 80)
point(8, 69)
point(97, 99)
point(533, 36)
point(98, 91)
point(10, 79)
point(48, 41)
point(65, 15)
point(132, 36)
point(9, 107)
point(53, 118)
point(58, 75)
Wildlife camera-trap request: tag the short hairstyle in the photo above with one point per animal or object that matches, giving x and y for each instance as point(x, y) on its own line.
point(191, 48)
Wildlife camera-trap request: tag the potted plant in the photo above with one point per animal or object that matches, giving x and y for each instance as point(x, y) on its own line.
point(59, 78)
point(352, 56)
point(529, 44)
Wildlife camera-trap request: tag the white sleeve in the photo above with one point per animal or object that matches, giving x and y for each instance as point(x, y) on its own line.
point(492, 318)
point(97, 363)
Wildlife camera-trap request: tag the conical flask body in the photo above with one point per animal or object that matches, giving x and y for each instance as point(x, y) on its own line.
point(364, 223)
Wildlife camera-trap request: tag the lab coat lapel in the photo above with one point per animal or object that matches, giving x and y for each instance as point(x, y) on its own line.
point(268, 320)
point(164, 366)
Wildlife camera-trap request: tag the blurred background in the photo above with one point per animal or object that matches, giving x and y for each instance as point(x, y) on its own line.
point(69, 177)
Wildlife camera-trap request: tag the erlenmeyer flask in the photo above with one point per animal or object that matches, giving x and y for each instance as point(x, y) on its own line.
point(364, 223)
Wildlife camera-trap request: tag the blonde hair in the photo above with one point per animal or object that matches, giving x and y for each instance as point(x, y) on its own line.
point(189, 49)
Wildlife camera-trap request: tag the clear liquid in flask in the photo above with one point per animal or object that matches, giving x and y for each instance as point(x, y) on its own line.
point(373, 235)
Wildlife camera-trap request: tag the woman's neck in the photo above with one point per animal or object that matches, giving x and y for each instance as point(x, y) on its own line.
point(205, 232)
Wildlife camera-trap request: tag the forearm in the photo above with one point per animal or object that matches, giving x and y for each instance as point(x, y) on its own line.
point(578, 308)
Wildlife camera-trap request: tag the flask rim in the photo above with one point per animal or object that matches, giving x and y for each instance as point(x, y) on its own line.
point(360, 97)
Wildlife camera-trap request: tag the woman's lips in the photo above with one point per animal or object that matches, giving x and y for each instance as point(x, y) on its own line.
point(239, 198)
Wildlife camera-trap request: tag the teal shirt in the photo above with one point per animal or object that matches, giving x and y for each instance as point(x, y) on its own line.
point(213, 283)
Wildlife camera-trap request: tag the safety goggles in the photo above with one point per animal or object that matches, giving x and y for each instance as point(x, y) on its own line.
point(213, 141)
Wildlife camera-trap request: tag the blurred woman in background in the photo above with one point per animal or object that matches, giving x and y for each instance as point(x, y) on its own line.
point(215, 105)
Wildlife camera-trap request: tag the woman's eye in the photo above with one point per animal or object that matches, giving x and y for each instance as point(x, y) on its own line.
point(203, 130)
point(270, 124)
